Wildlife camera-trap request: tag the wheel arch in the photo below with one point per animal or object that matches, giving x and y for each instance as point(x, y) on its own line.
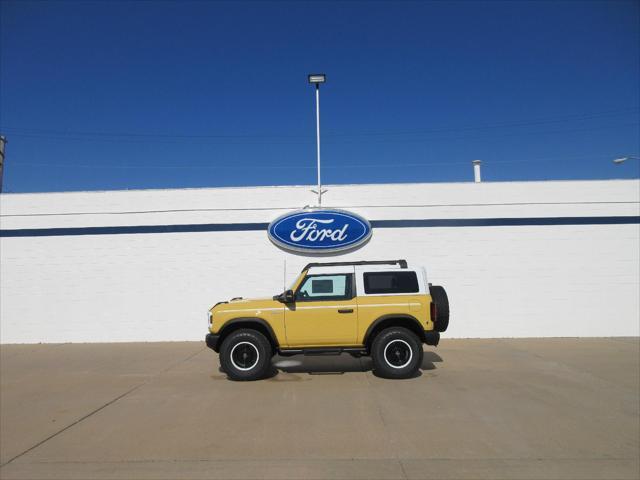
point(393, 320)
point(254, 323)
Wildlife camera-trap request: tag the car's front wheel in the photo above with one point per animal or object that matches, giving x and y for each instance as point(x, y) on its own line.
point(246, 355)
point(396, 353)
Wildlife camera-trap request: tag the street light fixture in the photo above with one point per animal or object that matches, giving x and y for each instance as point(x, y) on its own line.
point(316, 79)
point(621, 160)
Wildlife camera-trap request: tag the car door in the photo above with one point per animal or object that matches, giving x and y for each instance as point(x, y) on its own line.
point(325, 312)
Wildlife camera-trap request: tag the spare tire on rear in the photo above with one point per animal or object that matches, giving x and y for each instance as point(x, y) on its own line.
point(439, 297)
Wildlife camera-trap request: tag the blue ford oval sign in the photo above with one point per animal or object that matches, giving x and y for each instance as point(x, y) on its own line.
point(319, 231)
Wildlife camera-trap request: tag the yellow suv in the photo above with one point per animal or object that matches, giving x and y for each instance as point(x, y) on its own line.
point(379, 308)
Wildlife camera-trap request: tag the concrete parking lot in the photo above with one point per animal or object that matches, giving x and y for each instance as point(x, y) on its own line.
point(526, 408)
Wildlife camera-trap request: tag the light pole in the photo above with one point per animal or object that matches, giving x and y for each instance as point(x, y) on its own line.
point(621, 160)
point(317, 79)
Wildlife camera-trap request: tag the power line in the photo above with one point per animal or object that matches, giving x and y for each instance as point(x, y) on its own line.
point(509, 124)
point(234, 165)
point(338, 141)
point(117, 136)
point(493, 135)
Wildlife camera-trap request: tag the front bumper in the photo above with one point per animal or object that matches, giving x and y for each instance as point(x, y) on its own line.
point(212, 341)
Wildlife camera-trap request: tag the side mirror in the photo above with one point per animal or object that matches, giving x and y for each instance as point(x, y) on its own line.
point(285, 297)
point(288, 296)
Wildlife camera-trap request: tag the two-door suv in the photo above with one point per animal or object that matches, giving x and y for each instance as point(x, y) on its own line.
point(379, 308)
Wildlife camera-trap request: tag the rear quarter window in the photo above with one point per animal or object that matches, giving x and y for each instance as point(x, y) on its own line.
point(390, 282)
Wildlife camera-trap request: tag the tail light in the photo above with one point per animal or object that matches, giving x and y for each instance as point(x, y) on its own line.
point(434, 312)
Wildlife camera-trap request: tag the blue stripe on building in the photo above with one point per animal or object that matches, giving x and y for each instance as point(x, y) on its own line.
point(248, 227)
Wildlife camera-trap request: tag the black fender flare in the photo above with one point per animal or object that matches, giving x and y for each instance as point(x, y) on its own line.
point(418, 328)
point(222, 333)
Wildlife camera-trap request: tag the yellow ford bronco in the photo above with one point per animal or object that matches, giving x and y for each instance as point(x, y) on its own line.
point(379, 308)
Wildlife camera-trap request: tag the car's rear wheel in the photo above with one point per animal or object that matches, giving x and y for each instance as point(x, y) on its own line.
point(245, 355)
point(396, 353)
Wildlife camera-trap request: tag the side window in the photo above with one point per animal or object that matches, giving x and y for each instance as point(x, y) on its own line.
point(325, 287)
point(390, 282)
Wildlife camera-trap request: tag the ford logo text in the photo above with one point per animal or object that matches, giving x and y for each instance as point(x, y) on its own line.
point(319, 231)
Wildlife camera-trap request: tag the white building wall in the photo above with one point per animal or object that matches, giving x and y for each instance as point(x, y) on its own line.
point(502, 281)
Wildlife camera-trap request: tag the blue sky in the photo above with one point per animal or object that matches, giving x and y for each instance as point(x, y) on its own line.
point(116, 95)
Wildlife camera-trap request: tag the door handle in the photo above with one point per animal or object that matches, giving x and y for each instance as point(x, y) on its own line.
point(345, 310)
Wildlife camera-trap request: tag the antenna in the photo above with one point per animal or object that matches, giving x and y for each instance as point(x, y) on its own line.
point(284, 275)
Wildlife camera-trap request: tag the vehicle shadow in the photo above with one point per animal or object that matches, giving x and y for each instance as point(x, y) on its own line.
point(338, 364)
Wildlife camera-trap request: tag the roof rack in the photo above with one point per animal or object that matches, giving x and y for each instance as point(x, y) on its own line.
point(401, 263)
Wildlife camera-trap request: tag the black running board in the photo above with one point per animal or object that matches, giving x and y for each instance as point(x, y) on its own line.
point(322, 351)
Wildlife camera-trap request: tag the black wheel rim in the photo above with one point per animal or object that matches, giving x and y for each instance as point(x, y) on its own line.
point(398, 353)
point(244, 356)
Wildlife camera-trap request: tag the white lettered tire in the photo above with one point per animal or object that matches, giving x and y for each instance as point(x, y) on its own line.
point(396, 353)
point(246, 355)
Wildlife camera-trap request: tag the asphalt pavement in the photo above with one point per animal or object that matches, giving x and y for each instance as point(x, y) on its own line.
point(498, 409)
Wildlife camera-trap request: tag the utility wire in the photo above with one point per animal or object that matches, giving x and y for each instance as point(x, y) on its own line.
point(234, 165)
point(114, 136)
point(331, 141)
point(432, 139)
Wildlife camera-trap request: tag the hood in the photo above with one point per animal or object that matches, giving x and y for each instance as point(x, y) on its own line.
point(246, 303)
point(247, 300)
